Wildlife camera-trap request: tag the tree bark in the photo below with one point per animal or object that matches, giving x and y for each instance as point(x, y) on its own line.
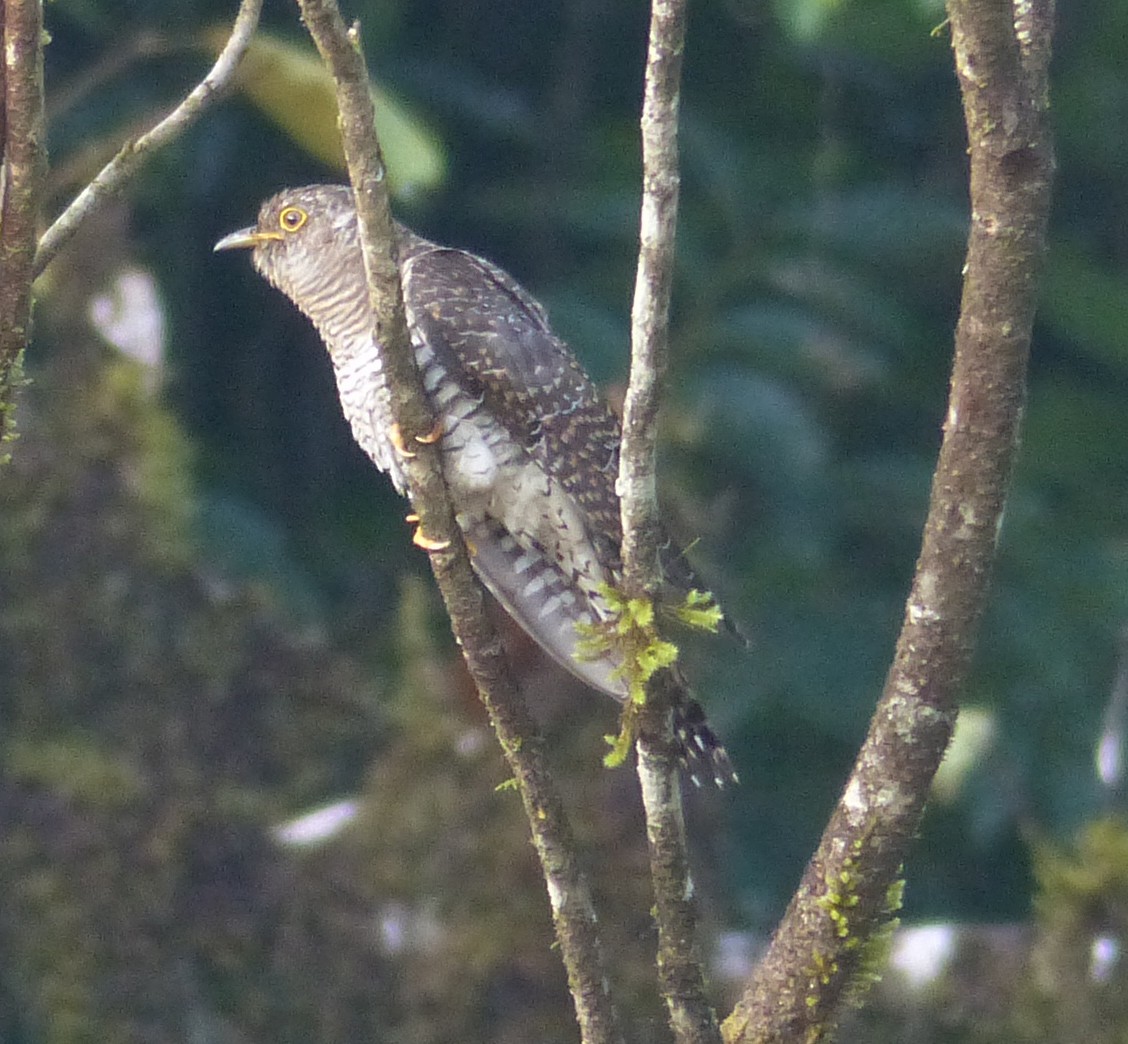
point(573, 911)
point(830, 940)
point(680, 975)
point(22, 165)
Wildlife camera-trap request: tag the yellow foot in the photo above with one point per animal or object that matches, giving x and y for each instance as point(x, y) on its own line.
point(395, 433)
point(396, 436)
point(433, 435)
point(420, 539)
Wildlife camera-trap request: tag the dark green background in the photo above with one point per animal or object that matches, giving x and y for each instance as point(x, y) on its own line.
point(265, 653)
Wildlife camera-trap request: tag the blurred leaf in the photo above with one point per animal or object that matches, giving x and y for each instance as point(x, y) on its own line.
point(761, 420)
point(291, 86)
point(791, 341)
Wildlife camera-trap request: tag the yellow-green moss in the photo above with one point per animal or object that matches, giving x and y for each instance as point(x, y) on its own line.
point(631, 634)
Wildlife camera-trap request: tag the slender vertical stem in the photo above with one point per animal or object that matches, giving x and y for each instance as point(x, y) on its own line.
point(650, 312)
point(679, 967)
point(573, 911)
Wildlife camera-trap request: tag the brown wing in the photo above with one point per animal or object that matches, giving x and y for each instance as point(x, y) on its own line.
point(496, 340)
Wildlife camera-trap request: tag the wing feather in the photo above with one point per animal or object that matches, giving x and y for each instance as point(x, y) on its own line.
point(495, 340)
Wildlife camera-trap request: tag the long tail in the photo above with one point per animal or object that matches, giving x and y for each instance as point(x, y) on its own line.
point(702, 753)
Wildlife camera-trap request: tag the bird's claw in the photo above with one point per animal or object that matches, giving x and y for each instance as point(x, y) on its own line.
point(433, 435)
point(396, 436)
point(395, 433)
point(420, 539)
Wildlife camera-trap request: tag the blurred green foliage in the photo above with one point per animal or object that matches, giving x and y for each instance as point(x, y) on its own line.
point(291, 85)
point(820, 245)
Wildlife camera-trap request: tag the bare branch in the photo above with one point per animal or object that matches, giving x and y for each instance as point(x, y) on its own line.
point(650, 311)
point(22, 166)
point(692, 1017)
point(112, 178)
point(572, 908)
point(830, 937)
point(679, 967)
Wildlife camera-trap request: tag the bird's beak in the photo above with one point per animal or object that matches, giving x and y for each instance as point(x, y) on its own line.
point(244, 239)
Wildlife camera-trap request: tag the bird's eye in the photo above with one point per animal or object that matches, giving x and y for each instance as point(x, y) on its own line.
point(290, 219)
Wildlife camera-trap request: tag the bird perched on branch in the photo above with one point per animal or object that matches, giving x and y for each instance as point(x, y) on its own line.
point(530, 450)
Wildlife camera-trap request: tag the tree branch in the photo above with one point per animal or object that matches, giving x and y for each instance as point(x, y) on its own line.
point(679, 966)
point(650, 311)
point(829, 940)
point(573, 912)
point(22, 164)
point(112, 178)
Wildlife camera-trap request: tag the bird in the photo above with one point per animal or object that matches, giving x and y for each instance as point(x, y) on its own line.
point(529, 446)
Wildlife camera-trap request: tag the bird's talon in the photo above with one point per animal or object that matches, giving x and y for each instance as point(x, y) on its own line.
point(420, 539)
point(396, 437)
point(433, 435)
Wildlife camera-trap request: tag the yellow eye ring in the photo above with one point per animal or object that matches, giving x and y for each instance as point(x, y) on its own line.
point(290, 219)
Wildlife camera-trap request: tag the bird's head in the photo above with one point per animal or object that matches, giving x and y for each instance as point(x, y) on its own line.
point(305, 243)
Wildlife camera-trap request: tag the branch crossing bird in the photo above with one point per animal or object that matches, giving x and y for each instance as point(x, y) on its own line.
point(530, 449)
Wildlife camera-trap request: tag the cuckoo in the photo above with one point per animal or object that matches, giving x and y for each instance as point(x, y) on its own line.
point(529, 448)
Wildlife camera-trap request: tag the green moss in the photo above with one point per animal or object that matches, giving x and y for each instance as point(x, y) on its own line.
point(630, 633)
point(701, 611)
point(866, 947)
point(876, 948)
point(157, 720)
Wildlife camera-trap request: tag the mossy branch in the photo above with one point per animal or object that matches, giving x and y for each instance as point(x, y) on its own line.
point(680, 974)
point(822, 951)
point(572, 908)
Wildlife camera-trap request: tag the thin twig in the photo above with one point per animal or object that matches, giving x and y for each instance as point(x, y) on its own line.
point(573, 912)
point(22, 165)
point(111, 179)
point(680, 976)
point(679, 966)
point(651, 308)
point(829, 941)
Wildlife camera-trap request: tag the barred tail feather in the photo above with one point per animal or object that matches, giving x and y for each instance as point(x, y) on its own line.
point(702, 753)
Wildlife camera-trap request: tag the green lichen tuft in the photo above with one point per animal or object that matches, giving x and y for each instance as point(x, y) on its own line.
point(701, 611)
point(629, 633)
point(867, 946)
